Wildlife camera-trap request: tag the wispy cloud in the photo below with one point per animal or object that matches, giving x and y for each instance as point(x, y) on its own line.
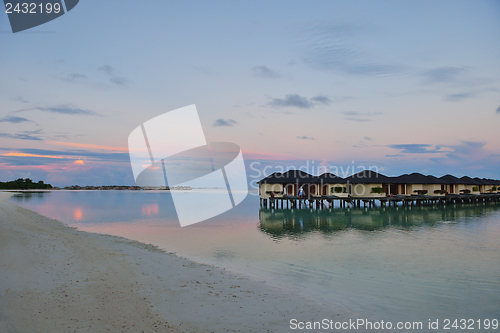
point(465, 149)
point(297, 101)
point(414, 148)
point(20, 99)
point(13, 119)
point(360, 116)
point(224, 122)
point(498, 109)
point(107, 69)
point(265, 72)
point(459, 97)
point(26, 156)
point(27, 135)
point(67, 109)
point(113, 78)
point(29, 155)
point(443, 74)
point(321, 100)
point(72, 77)
point(85, 145)
point(304, 137)
point(325, 47)
point(464, 82)
point(359, 120)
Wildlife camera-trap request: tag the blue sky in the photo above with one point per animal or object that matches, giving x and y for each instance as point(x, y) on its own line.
point(403, 86)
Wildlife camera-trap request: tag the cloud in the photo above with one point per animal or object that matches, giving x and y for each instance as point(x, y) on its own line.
point(414, 148)
point(107, 69)
point(63, 109)
point(443, 74)
point(30, 156)
point(467, 155)
point(465, 148)
point(224, 122)
point(66, 109)
point(360, 116)
point(297, 101)
point(86, 145)
point(73, 77)
point(459, 97)
point(14, 120)
point(293, 100)
point(118, 80)
point(265, 72)
point(321, 100)
point(368, 138)
point(21, 136)
point(498, 109)
point(359, 120)
point(303, 137)
point(325, 47)
point(20, 99)
point(113, 78)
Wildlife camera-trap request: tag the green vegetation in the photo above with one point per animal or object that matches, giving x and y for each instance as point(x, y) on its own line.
point(24, 184)
point(378, 190)
point(465, 191)
point(421, 192)
point(440, 192)
point(494, 188)
point(339, 189)
point(475, 189)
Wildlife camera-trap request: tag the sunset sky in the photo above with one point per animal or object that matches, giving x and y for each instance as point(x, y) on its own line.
point(403, 86)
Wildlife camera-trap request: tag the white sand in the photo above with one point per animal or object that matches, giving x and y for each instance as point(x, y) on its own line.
point(56, 279)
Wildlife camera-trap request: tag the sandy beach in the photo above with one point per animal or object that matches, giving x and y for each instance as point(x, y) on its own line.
point(54, 278)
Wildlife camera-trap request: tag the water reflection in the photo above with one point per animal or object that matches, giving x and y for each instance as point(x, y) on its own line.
point(150, 209)
point(29, 195)
point(78, 214)
point(279, 223)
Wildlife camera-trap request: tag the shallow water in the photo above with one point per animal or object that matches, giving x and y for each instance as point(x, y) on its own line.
point(391, 264)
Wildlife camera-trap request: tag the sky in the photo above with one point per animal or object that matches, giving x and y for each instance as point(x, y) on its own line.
point(395, 86)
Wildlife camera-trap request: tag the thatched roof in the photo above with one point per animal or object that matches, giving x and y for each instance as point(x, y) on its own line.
point(370, 177)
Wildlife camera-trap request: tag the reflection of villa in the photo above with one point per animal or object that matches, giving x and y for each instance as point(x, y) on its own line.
point(279, 223)
point(368, 186)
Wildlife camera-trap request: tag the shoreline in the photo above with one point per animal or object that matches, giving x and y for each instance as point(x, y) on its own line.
point(58, 279)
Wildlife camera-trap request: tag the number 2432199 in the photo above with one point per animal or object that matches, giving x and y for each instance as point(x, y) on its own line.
point(32, 8)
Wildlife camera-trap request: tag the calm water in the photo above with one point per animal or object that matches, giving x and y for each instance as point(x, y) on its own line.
point(395, 264)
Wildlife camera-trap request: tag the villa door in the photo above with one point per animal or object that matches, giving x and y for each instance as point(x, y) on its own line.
point(325, 190)
point(289, 189)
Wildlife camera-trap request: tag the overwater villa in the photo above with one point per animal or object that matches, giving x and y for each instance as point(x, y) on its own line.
point(368, 186)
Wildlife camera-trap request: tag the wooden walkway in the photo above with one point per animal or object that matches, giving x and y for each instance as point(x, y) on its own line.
point(328, 201)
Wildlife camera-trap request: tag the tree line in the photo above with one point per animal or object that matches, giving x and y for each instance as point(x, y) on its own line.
point(24, 184)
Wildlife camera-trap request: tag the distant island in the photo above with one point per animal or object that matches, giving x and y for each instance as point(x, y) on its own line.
point(28, 184)
point(122, 188)
point(24, 184)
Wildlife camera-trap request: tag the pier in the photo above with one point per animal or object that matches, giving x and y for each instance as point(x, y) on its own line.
point(328, 202)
